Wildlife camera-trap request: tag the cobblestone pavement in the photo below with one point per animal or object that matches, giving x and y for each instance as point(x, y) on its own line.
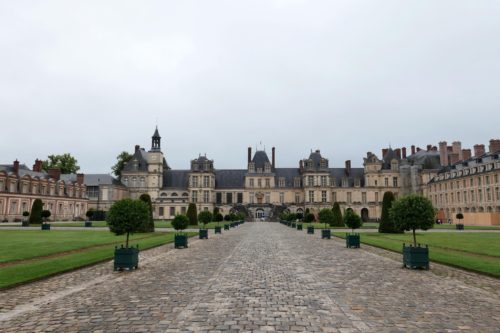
point(259, 277)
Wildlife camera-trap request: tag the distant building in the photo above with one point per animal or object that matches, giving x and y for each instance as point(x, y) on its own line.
point(19, 186)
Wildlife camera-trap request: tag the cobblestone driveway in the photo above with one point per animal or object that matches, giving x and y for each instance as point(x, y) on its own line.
point(259, 277)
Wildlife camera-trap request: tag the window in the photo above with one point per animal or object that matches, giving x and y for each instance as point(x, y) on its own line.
point(195, 181)
point(458, 197)
point(311, 196)
point(206, 181)
point(282, 197)
point(386, 182)
point(323, 196)
point(472, 182)
point(480, 195)
point(465, 196)
point(488, 194)
point(13, 207)
point(282, 182)
point(218, 198)
point(206, 196)
point(268, 198)
point(296, 182)
point(452, 197)
point(472, 198)
point(252, 196)
point(252, 182)
point(310, 181)
point(376, 196)
point(487, 180)
point(172, 211)
point(161, 211)
point(297, 197)
point(259, 182)
point(478, 181)
point(332, 181)
point(334, 196)
point(183, 210)
point(92, 191)
point(268, 182)
point(345, 182)
point(349, 197)
point(239, 197)
point(376, 183)
point(229, 198)
point(267, 168)
point(497, 190)
point(194, 196)
point(323, 181)
point(363, 197)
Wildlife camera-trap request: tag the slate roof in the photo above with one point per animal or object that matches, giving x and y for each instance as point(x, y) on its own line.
point(260, 159)
point(339, 174)
point(288, 173)
point(389, 156)
point(427, 159)
point(230, 178)
point(100, 179)
point(23, 171)
point(178, 179)
point(141, 157)
point(316, 158)
point(156, 134)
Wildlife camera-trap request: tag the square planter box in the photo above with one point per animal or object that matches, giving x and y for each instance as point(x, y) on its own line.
point(218, 230)
point(299, 226)
point(459, 226)
point(416, 257)
point(293, 225)
point(232, 225)
point(180, 241)
point(352, 240)
point(310, 230)
point(88, 224)
point(126, 258)
point(203, 233)
point(326, 233)
point(226, 226)
point(25, 224)
point(45, 226)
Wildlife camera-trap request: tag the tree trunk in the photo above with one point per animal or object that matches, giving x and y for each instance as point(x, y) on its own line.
point(126, 241)
point(414, 238)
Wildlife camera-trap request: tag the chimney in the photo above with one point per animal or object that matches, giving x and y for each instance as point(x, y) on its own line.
point(404, 152)
point(301, 166)
point(79, 178)
point(466, 154)
point(249, 154)
point(412, 149)
point(384, 152)
point(398, 153)
point(16, 167)
point(457, 149)
point(418, 149)
point(443, 153)
point(273, 158)
point(137, 147)
point(494, 145)
point(37, 167)
point(429, 147)
point(434, 148)
point(478, 150)
point(453, 158)
point(348, 167)
point(55, 173)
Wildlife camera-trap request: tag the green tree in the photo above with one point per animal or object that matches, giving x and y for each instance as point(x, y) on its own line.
point(192, 214)
point(127, 216)
point(218, 217)
point(36, 212)
point(205, 217)
point(337, 216)
point(413, 212)
point(149, 224)
point(65, 162)
point(89, 213)
point(216, 211)
point(45, 215)
point(309, 218)
point(459, 216)
point(386, 224)
point(325, 216)
point(300, 216)
point(122, 158)
point(180, 222)
point(352, 220)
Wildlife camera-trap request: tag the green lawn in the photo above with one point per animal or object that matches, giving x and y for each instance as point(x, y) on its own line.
point(29, 247)
point(158, 224)
point(467, 227)
point(473, 251)
point(366, 225)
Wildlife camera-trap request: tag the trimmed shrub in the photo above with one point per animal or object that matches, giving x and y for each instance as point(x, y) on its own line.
point(386, 224)
point(36, 212)
point(127, 216)
point(149, 224)
point(192, 214)
point(205, 217)
point(352, 220)
point(180, 222)
point(325, 216)
point(218, 217)
point(337, 216)
point(309, 218)
point(45, 215)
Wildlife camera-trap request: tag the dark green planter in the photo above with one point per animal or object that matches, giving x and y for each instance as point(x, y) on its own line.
point(352, 240)
point(45, 226)
point(25, 224)
point(293, 224)
point(416, 257)
point(180, 241)
point(226, 226)
point(326, 233)
point(289, 224)
point(232, 225)
point(299, 226)
point(310, 230)
point(218, 230)
point(88, 224)
point(459, 226)
point(126, 258)
point(203, 233)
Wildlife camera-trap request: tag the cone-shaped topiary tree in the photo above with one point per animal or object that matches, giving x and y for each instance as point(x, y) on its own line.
point(149, 224)
point(386, 224)
point(127, 216)
point(352, 220)
point(413, 212)
point(337, 216)
point(36, 212)
point(192, 214)
point(205, 217)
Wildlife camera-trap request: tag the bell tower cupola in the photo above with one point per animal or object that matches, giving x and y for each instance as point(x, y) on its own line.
point(156, 141)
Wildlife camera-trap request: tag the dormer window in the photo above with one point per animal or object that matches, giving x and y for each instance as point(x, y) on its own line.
point(267, 168)
point(251, 167)
point(345, 182)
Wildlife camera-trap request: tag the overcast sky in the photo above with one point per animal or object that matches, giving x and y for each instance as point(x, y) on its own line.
point(93, 78)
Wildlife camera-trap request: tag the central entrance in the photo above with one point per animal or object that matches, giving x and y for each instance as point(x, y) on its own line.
point(259, 213)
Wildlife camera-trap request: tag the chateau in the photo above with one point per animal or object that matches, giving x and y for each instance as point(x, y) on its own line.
point(264, 190)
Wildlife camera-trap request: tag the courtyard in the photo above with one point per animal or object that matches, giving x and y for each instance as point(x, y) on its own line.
point(258, 277)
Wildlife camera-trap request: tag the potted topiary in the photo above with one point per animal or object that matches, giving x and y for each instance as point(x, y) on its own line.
point(413, 212)
point(89, 214)
point(218, 218)
point(45, 215)
point(459, 225)
point(180, 222)
point(204, 217)
point(127, 216)
point(326, 217)
point(353, 221)
point(227, 218)
point(26, 222)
